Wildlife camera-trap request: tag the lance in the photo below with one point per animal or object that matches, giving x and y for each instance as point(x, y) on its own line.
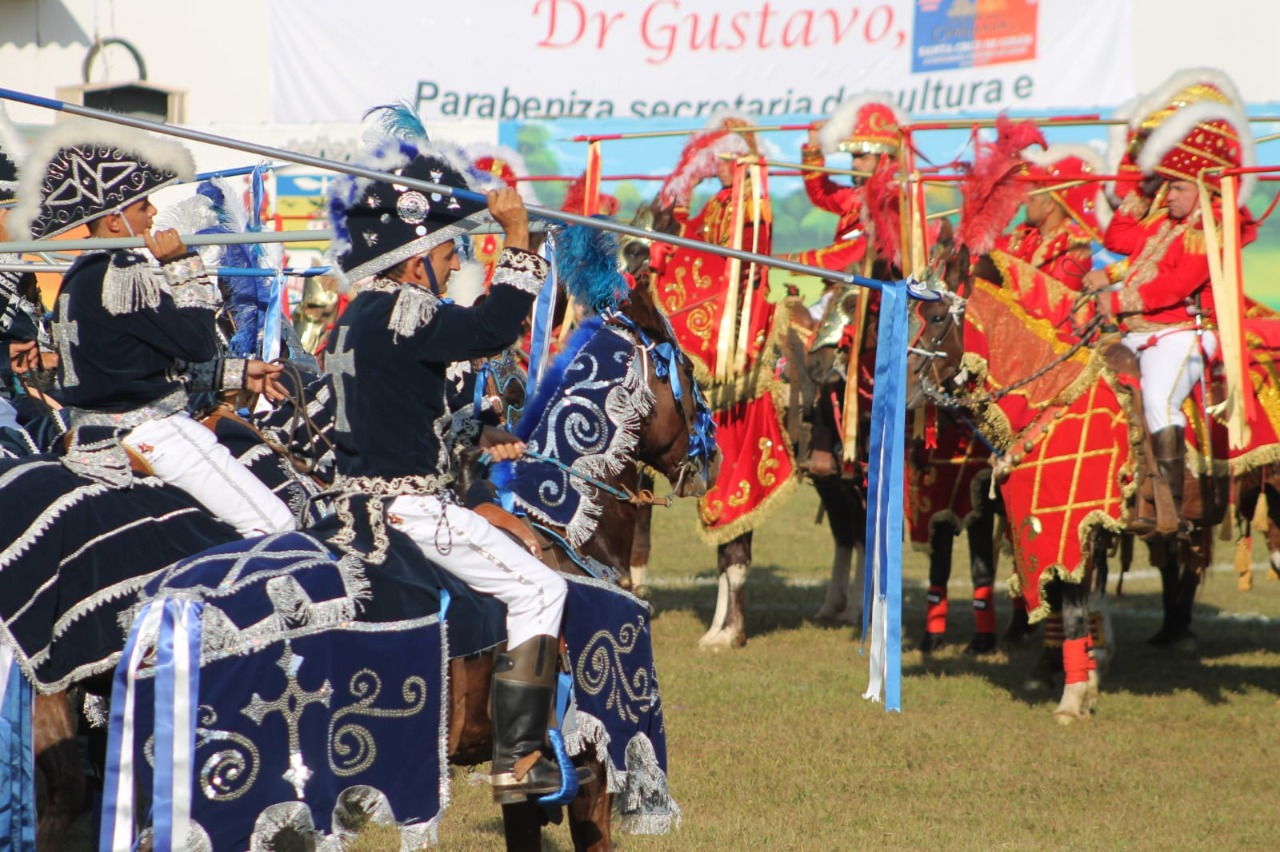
point(112, 243)
point(221, 271)
point(802, 167)
point(1091, 120)
point(660, 134)
point(270, 153)
point(246, 238)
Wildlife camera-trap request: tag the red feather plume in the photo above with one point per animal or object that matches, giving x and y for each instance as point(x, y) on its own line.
point(881, 201)
point(575, 199)
point(992, 192)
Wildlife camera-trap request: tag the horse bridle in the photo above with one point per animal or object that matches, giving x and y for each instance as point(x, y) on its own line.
point(933, 390)
point(667, 359)
point(933, 354)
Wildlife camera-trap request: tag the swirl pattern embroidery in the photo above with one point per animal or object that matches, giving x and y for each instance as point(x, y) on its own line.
point(601, 670)
point(352, 748)
point(764, 468)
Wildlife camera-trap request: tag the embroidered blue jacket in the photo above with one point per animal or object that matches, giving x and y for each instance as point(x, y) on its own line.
point(388, 358)
point(121, 327)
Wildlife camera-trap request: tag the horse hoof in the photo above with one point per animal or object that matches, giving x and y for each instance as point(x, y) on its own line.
point(1179, 639)
point(829, 612)
point(981, 645)
point(1074, 706)
point(1066, 717)
point(720, 639)
point(932, 642)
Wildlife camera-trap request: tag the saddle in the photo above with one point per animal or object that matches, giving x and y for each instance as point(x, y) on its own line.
point(1156, 511)
point(137, 463)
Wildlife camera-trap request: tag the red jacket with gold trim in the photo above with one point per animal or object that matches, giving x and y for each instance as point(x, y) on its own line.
point(845, 202)
point(1167, 267)
point(1065, 253)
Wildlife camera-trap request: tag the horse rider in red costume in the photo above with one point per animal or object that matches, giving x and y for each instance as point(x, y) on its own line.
point(1161, 294)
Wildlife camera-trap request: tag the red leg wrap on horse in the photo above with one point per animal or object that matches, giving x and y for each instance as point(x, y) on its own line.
point(984, 609)
point(935, 614)
point(1075, 660)
point(1088, 644)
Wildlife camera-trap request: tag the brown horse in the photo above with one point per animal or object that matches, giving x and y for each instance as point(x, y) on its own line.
point(1056, 415)
point(664, 447)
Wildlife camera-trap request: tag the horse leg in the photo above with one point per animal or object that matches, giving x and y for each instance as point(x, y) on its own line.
point(58, 765)
point(1165, 555)
point(522, 826)
point(1248, 494)
point(1272, 496)
point(982, 571)
point(728, 625)
point(1100, 633)
point(1194, 558)
point(590, 811)
point(640, 543)
point(1048, 667)
point(1079, 690)
point(843, 602)
point(941, 539)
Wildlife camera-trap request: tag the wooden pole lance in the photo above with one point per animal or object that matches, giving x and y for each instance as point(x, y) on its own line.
point(271, 153)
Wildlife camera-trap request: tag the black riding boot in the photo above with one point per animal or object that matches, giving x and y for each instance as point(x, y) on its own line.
point(1171, 456)
point(523, 689)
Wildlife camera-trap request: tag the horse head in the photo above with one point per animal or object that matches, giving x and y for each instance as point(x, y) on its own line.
point(935, 334)
point(633, 252)
point(620, 394)
point(679, 439)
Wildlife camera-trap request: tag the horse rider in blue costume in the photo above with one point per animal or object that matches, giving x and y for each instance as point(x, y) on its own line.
point(389, 357)
point(126, 330)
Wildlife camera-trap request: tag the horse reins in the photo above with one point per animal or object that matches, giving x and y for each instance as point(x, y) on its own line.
point(641, 497)
point(931, 355)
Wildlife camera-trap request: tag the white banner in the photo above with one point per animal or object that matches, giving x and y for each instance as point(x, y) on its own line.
point(513, 60)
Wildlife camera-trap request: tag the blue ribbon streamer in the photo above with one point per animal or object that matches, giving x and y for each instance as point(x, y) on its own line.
point(275, 316)
point(477, 392)
point(165, 687)
point(117, 758)
point(885, 481)
point(544, 311)
point(256, 192)
point(17, 764)
point(176, 706)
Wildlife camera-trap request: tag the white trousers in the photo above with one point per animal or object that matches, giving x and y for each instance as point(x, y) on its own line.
point(188, 456)
point(480, 555)
point(1170, 369)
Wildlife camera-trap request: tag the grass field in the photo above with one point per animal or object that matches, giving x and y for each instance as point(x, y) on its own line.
point(771, 746)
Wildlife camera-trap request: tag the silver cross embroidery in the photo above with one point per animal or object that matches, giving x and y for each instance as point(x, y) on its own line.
point(66, 332)
point(341, 362)
point(291, 704)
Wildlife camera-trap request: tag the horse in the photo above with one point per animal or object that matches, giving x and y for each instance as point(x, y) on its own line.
point(789, 338)
point(664, 443)
point(814, 372)
point(1058, 416)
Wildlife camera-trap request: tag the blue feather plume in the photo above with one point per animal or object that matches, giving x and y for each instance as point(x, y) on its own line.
point(587, 263)
point(248, 299)
point(399, 121)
